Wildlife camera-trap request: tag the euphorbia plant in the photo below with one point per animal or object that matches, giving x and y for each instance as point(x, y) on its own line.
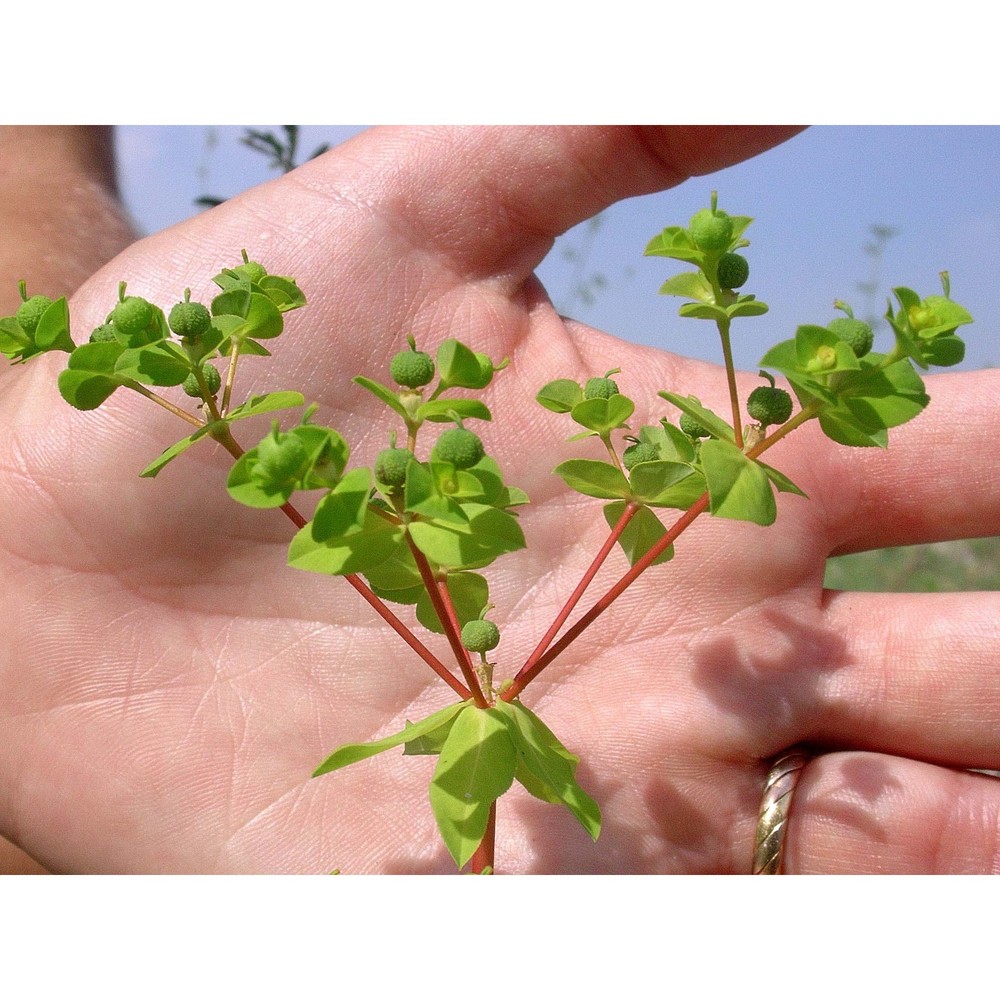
point(417, 526)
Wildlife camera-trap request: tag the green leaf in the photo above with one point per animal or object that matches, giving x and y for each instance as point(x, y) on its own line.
point(674, 242)
point(689, 285)
point(52, 332)
point(328, 454)
point(713, 423)
point(235, 301)
point(445, 410)
point(427, 744)
point(944, 351)
point(703, 310)
point(842, 427)
point(390, 398)
point(245, 489)
point(344, 510)
point(160, 364)
point(649, 480)
point(283, 292)
point(470, 593)
point(669, 440)
point(560, 396)
point(398, 573)
point(422, 496)
point(746, 305)
point(268, 402)
point(682, 495)
point(603, 415)
point(738, 487)
point(781, 481)
point(475, 768)
point(552, 765)
point(90, 378)
point(782, 357)
point(351, 753)
point(15, 344)
point(458, 366)
point(812, 341)
point(358, 552)
point(263, 319)
point(640, 534)
point(877, 398)
point(489, 533)
point(173, 451)
point(594, 479)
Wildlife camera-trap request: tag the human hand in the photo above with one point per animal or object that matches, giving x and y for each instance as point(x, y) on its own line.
point(168, 684)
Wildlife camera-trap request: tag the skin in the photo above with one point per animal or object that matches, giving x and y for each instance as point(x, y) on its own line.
point(167, 684)
point(61, 220)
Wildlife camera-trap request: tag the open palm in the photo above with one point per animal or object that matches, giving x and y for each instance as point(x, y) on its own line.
point(167, 684)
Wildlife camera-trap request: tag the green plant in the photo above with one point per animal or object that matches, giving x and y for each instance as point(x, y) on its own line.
point(419, 527)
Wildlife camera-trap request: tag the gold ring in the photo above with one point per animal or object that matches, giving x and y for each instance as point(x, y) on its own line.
point(773, 819)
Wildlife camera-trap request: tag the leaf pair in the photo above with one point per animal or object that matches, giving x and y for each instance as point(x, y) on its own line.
point(481, 752)
point(51, 334)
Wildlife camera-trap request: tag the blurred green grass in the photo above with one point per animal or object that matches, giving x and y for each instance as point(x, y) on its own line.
point(972, 564)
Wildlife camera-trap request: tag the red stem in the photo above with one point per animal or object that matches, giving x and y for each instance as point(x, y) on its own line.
point(485, 852)
point(390, 619)
point(437, 591)
point(627, 515)
point(528, 674)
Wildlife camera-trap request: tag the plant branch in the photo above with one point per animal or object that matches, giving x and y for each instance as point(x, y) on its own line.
point(528, 674)
point(166, 404)
point(437, 591)
point(485, 852)
point(226, 439)
point(734, 396)
point(627, 514)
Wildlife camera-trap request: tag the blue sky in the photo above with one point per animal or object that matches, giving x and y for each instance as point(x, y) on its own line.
point(813, 199)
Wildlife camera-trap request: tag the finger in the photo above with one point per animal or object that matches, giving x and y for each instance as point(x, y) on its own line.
point(492, 199)
point(939, 478)
point(862, 813)
point(918, 677)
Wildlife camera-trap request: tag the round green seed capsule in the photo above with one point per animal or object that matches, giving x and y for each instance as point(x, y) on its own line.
point(480, 636)
point(104, 334)
point(29, 313)
point(212, 379)
point(132, 316)
point(711, 230)
point(390, 466)
point(692, 428)
point(636, 453)
point(189, 319)
point(280, 460)
point(733, 270)
point(460, 447)
point(412, 369)
point(769, 405)
point(251, 270)
point(857, 334)
point(600, 388)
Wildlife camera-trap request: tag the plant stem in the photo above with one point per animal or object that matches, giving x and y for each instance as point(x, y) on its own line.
point(528, 674)
point(484, 853)
point(585, 581)
point(225, 438)
point(437, 591)
point(160, 401)
point(234, 356)
point(532, 669)
point(734, 398)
